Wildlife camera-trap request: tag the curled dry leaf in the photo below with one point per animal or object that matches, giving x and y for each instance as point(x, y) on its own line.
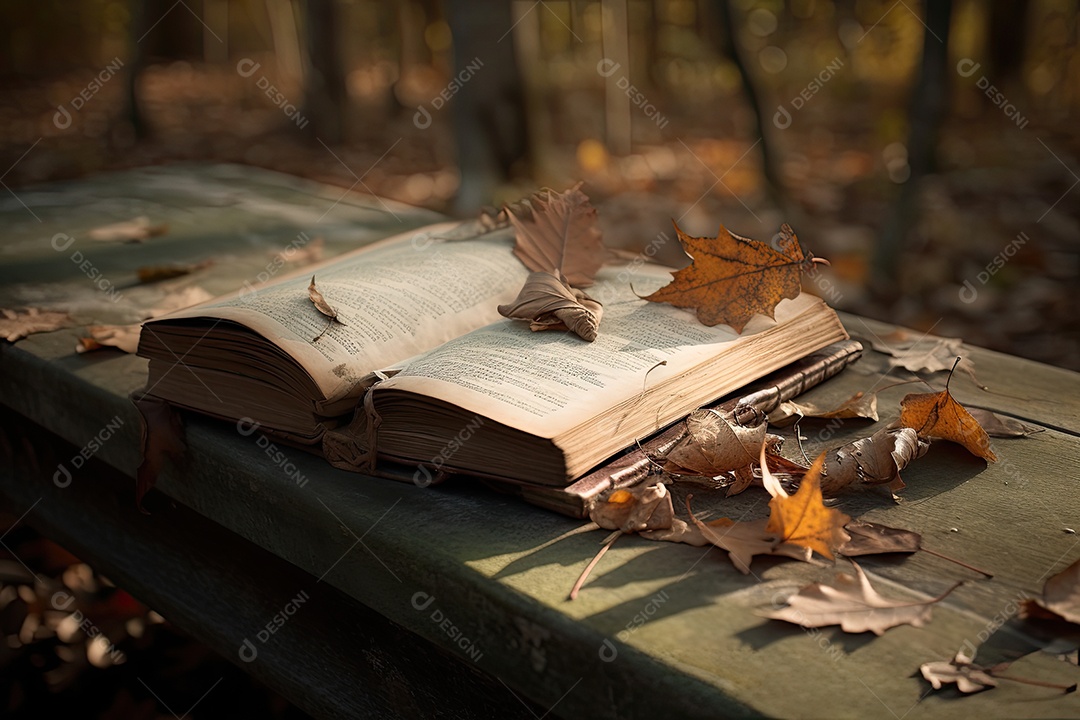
point(644, 507)
point(1060, 599)
point(869, 538)
point(559, 235)
point(802, 519)
point(968, 676)
point(17, 324)
point(859, 405)
point(323, 307)
point(876, 460)
point(853, 604)
point(718, 442)
point(135, 230)
point(939, 415)
point(734, 278)
point(548, 303)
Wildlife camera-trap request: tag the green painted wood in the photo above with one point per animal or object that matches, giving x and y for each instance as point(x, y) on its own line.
point(659, 629)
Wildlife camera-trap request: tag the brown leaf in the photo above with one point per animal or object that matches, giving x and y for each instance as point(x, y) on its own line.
point(1060, 599)
point(716, 442)
point(734, 278)
point(876, 460)
point(802, 519)
point(635, 509)
point(859, 405)
point(323, 307)
point(923, 353)
point(162, 437)
point(17, 324)
point(156, 273)
point(135, 230)
point(741, 540)
point(680, 532)
point(853, 604)
point(548, 303)
point(939, 415)
point(561, 236)
point(869, 538)
point(968, 676)
point(1002, 425)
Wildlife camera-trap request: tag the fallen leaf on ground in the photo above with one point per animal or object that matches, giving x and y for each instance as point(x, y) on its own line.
point(734, 278)
point(135, 230)
point(741, 540)
point(680, 532)
point(548, 303)
point(1001, 425)
point(939, 415)
point(323, 307)
point(718, 442)
point(17, 324)
point(126, 337)
point(634, 509)
point(868, 462)
point(853, 604)
point(559, 235)
point(156, 273)
point(859, 405)
point(802, 519)
point(869, 538)
point(923, 353)
point(1060, 599)
point(969, 677)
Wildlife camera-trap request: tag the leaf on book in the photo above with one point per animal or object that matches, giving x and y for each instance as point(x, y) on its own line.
point(135, 230)
point(853, 604)
point(734, 278)
point(157, 273)
point(1002, 426)
point(634, 509)
point(873, 461)
point(547, 303)
point(561, 236)
point(1060, 599)
point(802, 519)
point(126, 337)
point(923, 353)
point(323, 307)
point(718, 442)
point(17, 324)
point(869, 538)
point(969, 677)
point(859, 405)
point(939, 415)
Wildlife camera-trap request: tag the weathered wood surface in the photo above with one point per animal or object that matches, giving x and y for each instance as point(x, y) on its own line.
point(659, 629)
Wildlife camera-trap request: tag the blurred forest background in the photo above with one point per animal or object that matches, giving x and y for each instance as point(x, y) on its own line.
point(930, 150)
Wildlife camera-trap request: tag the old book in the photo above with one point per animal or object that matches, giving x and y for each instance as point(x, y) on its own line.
point(422, 370)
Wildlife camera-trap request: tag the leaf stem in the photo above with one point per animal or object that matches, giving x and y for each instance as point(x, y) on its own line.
point(608, 542)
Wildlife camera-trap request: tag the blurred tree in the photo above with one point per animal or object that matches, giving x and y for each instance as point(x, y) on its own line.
point(1007, 39)
point(325, 96)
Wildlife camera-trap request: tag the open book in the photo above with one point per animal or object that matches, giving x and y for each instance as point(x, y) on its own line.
point(423, 370)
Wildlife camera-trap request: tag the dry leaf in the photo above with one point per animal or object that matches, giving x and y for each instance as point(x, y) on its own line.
point(1002, 425)
point(853, 604)
point(923, 353)
point(135, 230)
point(802, 519)
point(741, 540)
point(548, 303)
point(323, 307)
point(869, 538)
point(680, 532)
point(1060, 599)
point(560, 236)
point(939, 415)
point(969, 677)
point(126, 337)
point(17, 324)
point(162, 437)
point(156, 273)
point(716, 442)
point(876, 460)
point(859, 405)
point(635, 509)
point(734, 278)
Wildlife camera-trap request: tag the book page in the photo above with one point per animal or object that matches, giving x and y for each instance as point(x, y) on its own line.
point(395, 299)
point(540, 381)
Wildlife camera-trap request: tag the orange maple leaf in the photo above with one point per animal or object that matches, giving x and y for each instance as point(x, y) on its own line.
point(939, 415)
point(734, 278)
point(802, 519)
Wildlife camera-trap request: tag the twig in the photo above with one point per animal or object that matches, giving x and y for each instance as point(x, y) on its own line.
point(608, 542)
point(958, 562)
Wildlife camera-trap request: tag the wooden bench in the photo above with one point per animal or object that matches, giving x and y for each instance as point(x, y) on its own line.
point(353, 595)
